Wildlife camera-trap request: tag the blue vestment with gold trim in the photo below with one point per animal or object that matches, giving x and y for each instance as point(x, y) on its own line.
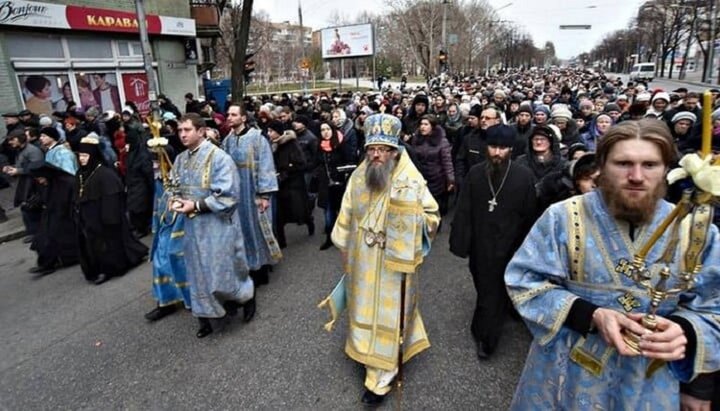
point(253, 158)
point(170, 284)
point(214, 248)
point(578, 250)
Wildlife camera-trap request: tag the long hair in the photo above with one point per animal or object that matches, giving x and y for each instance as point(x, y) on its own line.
point(648, 129)
point(334, 139)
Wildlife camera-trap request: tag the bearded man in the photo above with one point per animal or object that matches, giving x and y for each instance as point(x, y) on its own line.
point(495, 211)
point(384, 229)
point(571, 282)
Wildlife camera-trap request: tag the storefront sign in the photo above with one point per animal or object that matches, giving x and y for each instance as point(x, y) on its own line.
point(36, 14)
point(137, 91)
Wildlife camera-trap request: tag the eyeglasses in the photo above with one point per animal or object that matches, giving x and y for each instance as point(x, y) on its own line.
point(488, 118)
point(378, 150)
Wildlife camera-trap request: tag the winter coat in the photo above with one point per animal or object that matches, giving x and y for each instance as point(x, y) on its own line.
point(434, 158)
point(329, 180)
point(290, 166)
point(540, 170)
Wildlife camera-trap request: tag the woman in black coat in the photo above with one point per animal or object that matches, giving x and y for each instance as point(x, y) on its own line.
point(290, 165)
point(335, 161)
point(107, 247)
point(55, 242)
point(433, 154)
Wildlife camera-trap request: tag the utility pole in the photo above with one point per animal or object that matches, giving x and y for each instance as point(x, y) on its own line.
point(147, 57)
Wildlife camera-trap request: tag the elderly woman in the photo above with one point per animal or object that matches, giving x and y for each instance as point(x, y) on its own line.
point(434, 159)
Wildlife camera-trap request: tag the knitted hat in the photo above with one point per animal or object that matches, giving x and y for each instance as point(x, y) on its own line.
point(50, 132)
point(684, 115)
point(542, 108)
point(45, 121)
point(475, 111)
point(610, 107)
point(561, 112)
point(277, 126)
point(382, 129)
point(661, 96)
point(644, 96)
point(525, 108)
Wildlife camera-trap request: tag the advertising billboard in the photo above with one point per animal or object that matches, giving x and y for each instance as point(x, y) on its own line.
point(348, 41)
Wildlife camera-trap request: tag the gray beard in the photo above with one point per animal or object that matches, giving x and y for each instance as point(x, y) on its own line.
point(378, 177)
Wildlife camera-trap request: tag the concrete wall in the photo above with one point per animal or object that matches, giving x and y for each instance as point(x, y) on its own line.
point(8, 87)
point(176, 78)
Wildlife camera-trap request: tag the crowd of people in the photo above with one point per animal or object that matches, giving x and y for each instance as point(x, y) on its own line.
point(505, 155)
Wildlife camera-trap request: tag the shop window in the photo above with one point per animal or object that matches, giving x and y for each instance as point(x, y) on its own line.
point(21, 45)
point(129, 49)
point(89, 48)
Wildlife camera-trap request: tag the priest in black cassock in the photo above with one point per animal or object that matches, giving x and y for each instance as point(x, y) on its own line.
point(495, 210)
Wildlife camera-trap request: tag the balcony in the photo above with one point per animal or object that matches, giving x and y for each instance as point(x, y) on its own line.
point(207, 18)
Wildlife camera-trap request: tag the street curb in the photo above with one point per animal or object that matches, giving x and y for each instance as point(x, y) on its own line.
point(12, 235)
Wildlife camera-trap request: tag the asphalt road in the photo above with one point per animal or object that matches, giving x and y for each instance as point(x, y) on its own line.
point(67, 344)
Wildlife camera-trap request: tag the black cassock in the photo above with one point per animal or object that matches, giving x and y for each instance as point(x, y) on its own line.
point(106, 242)
point(490, 238)
point(56, 241)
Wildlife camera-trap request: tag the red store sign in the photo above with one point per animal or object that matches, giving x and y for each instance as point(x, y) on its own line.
point(36, 14)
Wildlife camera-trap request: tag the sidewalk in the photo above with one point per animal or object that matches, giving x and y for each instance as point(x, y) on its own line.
point(13, 228)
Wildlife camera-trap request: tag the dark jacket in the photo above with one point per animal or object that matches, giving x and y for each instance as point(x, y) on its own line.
point(290, 165)
point(473, 151)
point(434, 159)
point(308, 143)
point(540, 170)
point(329, 180)
point(28, 158)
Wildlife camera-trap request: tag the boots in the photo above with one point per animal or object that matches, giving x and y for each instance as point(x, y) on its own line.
point(327, 244)
point(205, 328)
point(260, 277)
point(161, 312)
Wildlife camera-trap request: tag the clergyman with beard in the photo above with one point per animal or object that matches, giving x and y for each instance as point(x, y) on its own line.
point(386, 223)
point(570, 281)
point(495, 210)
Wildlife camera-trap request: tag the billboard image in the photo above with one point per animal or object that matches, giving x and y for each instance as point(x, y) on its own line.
point(348, 41)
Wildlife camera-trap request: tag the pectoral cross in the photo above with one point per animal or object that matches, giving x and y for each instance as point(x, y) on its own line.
point(492, 203)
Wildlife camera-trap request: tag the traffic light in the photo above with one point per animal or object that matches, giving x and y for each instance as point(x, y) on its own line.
point(249, 67)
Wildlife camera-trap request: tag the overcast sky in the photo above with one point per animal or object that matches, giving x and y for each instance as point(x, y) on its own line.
point(541, 19)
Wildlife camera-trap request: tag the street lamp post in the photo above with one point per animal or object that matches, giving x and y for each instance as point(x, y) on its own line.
point(487, 53)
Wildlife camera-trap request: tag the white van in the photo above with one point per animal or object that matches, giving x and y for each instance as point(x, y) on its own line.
point(643, 72)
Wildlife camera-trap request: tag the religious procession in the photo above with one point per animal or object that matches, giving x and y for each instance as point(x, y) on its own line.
point(586, 207)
